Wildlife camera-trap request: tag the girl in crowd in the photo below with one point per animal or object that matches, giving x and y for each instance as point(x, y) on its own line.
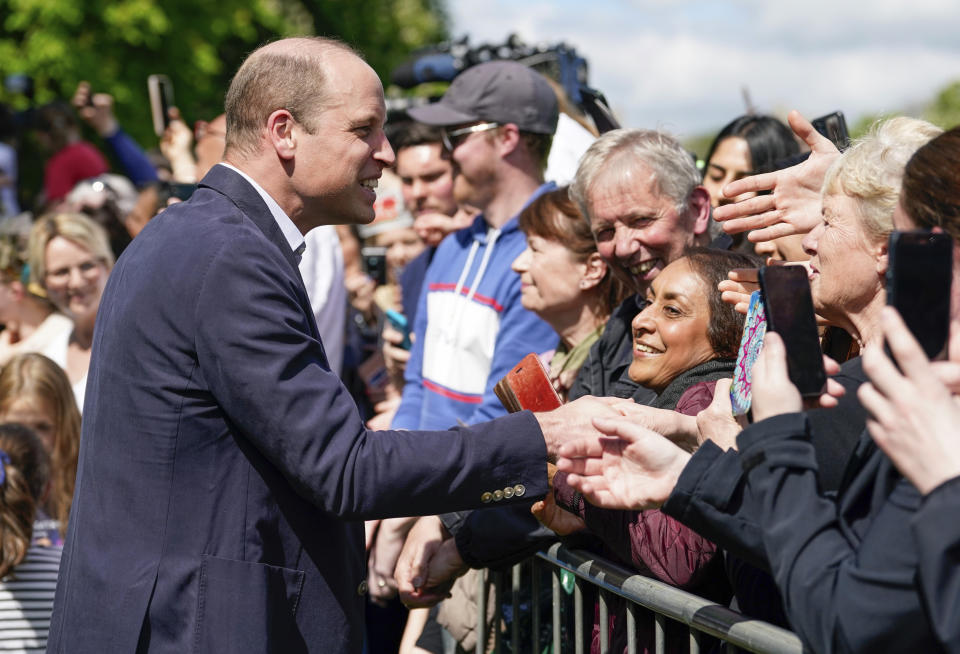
point(28, 571)
point(565, 282)
point(29, 321)
point(35, 392)
point(70, 257)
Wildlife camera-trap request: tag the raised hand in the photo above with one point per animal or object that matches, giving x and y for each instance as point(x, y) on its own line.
point(772, 391)
point(793, 206)
point(716, 422)
point(630, 467)
point(914, 418)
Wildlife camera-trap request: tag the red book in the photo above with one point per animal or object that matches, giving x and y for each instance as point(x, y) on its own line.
point(527, 386)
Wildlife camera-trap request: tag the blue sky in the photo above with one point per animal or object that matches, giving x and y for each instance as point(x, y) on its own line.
point(681, 65)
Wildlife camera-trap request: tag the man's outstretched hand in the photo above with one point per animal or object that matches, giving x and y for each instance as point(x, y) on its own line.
point(628, 467)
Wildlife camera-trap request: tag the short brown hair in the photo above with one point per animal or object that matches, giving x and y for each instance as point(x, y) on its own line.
point(267, 81)
point(555, 217)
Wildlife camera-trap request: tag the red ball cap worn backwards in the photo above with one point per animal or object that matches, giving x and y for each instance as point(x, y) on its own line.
point(498, 91)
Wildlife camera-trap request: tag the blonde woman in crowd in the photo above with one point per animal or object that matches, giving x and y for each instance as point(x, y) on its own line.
point(70, 257)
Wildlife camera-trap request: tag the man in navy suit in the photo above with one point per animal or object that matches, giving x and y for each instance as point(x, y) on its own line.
point(224, 470)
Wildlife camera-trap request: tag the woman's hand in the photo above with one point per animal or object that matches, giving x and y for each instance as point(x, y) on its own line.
point(553, 517)
point(793, 206)
point(914, 417)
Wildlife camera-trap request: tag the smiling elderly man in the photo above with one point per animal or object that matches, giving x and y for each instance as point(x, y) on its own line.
point(641, 192)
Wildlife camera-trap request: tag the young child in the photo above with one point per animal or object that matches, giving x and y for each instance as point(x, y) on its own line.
point(28, 570)
point(35, 392)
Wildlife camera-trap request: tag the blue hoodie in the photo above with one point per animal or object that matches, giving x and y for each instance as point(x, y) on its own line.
point(470, 329)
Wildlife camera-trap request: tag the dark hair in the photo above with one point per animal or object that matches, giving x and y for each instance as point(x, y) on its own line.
point(930, 193)
point(768, 139)
point(408, 133)
point(57, 120)
point(555, 217)
point(25, 476)
point(726, 323)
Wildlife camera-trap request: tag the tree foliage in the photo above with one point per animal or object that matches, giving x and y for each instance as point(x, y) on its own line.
point(944, 110)
point(116, 44)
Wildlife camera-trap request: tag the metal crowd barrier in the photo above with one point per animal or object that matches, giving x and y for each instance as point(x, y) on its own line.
point(644, 596)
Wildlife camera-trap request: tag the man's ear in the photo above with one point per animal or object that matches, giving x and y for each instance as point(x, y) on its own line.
point(700, 210)
point(281, 133)
point(596, 270)
point(507, 139)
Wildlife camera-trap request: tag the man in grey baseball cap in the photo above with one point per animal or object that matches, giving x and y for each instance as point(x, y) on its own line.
point(498, 91)
point(498, 121)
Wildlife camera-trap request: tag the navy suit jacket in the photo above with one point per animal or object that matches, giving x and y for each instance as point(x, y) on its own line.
point(224, 470)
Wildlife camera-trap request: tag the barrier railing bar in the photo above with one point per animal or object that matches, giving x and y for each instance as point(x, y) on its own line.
point(631, 628)
point(497, 613)
point(705, 616)
point(578, 615)
point(604, 624)
point(660, 633)
point(694, 641)
point(555, 576)
point(535, 606)
point(481, 613)
point(515, 604)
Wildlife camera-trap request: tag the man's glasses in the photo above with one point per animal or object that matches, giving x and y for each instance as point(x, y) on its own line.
point(451, 139)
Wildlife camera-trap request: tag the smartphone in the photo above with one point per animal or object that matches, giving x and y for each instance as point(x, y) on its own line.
point(834, 127)
point(399, 322)
point(754, 329)
point(375, 263)
point(919, 274)
point(182, 191)
point(161, 99)
point(527, 386)
point(789, 308)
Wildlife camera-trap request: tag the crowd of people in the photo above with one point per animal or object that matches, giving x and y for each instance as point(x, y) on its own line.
point(313, 340)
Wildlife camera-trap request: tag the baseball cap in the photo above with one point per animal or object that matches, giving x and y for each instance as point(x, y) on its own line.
point(497, 91)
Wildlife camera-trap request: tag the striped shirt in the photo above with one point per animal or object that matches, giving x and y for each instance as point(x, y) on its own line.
point(26, 601)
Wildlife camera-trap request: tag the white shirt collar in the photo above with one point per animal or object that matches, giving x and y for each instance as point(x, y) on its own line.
point(289, 230)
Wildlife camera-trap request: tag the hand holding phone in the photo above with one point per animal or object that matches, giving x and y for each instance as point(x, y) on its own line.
point(919, 275)
point(754, 329)
point(374, 260)
point(789, 308)
point(527, 386)
point(399, 322)
point(161, 99)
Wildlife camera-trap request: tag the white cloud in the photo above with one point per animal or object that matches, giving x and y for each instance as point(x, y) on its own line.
point(681, 65)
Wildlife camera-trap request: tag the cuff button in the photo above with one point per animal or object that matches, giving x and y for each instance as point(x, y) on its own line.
point(486, 497)
point(519, 490)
